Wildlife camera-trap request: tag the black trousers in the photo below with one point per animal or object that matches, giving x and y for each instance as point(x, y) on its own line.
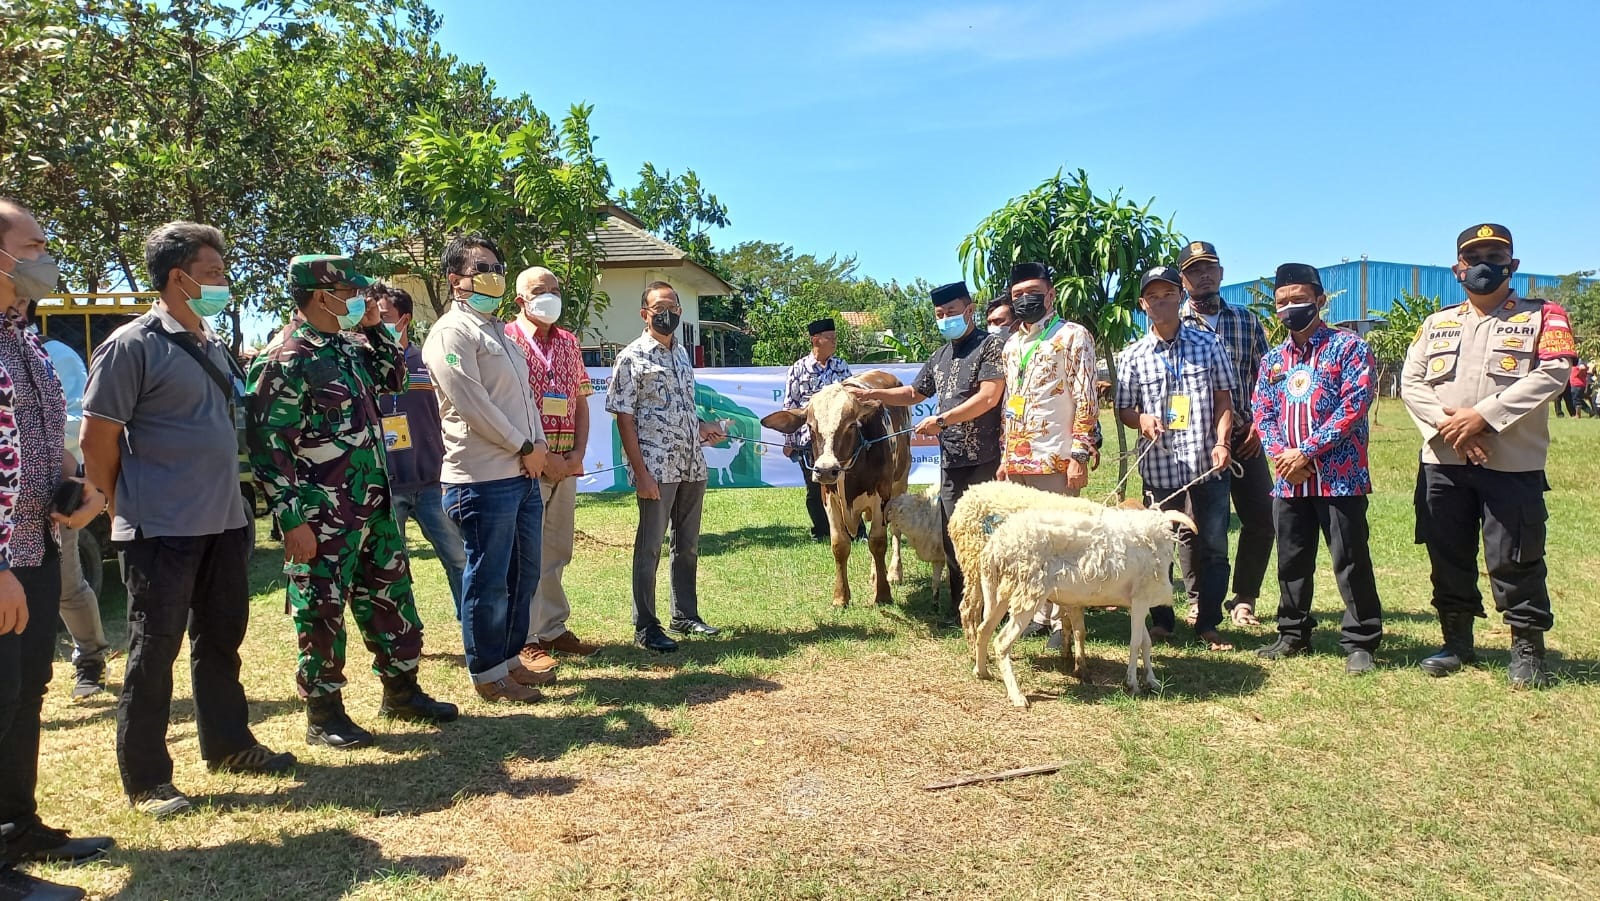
point(1251, 494)
point(954, 482)
point(1457, 504)
point(24, 672)
point(1566, 399)
point(1302, 523)
point(814, 506)
point(194, 582)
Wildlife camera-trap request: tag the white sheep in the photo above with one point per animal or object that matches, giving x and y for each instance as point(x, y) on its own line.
point(917, 518)
point(979, 512)
point(1113, 557)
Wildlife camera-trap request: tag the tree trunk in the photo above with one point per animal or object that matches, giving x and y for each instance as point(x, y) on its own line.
point(1122, 433)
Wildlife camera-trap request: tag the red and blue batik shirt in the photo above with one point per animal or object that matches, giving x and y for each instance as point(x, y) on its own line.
point(1315, 399)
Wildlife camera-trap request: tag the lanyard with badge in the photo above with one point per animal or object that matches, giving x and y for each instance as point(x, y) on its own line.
point(1017, 403)
point(1177, 402)
point(397, 425)
point(552, 403)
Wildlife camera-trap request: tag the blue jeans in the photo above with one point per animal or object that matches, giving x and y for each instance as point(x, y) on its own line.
point(1206, 504)
point(427, 505)
point(501, 525)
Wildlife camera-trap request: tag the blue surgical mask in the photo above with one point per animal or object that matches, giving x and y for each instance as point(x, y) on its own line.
point(952, 327)
point(392, 329)
point(354, 309)
point(213, 299)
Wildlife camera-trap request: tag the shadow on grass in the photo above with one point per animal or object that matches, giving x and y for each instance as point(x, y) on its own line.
point(324, 864)
point(777, 536)
point(104, 707)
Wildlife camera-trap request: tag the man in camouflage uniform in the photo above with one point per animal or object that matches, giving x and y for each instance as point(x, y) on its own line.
point(317, 444)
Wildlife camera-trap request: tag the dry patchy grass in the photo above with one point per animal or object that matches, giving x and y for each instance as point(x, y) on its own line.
point(785, 759)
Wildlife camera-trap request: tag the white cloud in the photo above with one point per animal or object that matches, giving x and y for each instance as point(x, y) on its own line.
point(1032, 31)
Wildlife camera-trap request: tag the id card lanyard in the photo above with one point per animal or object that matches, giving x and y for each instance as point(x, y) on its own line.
point(1175, 414)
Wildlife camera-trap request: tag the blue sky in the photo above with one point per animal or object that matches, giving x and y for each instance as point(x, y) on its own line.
point(1277, 130)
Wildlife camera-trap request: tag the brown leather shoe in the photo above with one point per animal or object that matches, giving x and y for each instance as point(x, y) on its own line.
point(533, 666)
point(568, 643)
point(509, 689)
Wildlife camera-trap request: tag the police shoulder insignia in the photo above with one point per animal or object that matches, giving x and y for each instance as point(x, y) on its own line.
point(1510, 305)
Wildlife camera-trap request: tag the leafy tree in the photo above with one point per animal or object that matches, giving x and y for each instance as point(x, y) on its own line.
point(679, 210)
point(1391, 340)
point(1096, 246)
point(538, 191)
point(273, 119)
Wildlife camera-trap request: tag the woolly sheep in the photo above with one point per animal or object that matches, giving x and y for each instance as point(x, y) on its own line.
point(916, 518)
point(1115, 557)
point(984, 507)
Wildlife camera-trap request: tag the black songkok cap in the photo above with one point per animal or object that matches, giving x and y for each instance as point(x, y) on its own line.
point(1487, 232)
point(1161, 274)
point(1023, 272)
point(820, 326)
point(1297, 274)
point(947, 293)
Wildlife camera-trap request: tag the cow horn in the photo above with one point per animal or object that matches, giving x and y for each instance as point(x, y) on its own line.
point(1179, 518)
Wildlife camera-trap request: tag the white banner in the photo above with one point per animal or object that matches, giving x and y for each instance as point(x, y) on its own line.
point(743, 396)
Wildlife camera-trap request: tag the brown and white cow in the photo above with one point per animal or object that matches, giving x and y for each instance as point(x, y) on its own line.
point(858, 467)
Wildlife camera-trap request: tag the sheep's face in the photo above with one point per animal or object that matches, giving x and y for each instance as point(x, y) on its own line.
point(836, 421)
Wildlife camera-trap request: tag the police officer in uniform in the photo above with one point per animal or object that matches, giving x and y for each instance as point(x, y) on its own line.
point(1478, 380)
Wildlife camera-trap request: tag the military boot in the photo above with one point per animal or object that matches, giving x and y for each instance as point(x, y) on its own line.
point(1527, 660)
point(1457, 651)
point(328, 724)
point(403, 699)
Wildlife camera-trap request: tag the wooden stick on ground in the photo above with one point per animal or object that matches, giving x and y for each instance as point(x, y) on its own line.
point(1036, 770)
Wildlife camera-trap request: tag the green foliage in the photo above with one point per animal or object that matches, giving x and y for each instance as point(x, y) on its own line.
point(1096, 246)
point(679, 210)
point(1400, 325)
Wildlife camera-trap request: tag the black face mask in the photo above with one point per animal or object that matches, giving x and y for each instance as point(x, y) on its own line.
point(664, 322)
point(1485, 278)
point(1029, 308)
point(1298, 317)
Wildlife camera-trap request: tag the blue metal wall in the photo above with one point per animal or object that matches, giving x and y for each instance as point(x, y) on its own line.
point(1384, 283)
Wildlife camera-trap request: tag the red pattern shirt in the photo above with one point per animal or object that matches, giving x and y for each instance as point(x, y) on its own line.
point(555, 372)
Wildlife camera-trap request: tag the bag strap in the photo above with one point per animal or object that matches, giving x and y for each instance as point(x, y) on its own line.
point(192, 348)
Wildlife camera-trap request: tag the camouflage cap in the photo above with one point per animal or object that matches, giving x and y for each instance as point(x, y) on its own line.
point(325, 270)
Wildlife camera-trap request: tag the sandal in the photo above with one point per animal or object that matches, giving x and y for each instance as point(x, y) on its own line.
point(1213, 640)
point(1243, 613)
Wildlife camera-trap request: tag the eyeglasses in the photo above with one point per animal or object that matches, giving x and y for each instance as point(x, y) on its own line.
point(486, 268)
point(674, 308)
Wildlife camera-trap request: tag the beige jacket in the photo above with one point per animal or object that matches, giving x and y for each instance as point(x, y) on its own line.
point(1507, 365)
point(486, 407)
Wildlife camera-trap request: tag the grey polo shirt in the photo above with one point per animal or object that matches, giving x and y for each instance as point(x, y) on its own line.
point(180, 453)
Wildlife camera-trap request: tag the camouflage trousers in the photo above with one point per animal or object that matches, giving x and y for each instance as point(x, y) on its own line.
point(365, 567)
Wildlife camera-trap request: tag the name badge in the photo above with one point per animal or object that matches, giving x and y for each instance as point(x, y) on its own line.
point(397, 432)
point(1016, 405)
point(553, 405)
point(1178, 412)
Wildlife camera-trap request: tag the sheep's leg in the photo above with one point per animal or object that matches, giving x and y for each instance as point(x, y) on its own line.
point(896, 569)
point(1002, 651)
point(1149, 651)
point(993, 611)
point(1138, 637)
point(1080, 663)
point(938, 584)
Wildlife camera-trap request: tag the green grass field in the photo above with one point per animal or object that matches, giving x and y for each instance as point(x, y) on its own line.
point(786, 758)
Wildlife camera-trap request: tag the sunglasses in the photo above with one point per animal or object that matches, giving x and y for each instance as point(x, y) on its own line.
point(486, 269)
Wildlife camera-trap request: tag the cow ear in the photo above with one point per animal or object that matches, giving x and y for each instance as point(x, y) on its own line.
point(786, 421)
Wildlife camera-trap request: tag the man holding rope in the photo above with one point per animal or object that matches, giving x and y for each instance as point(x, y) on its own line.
point(1177, 390)
point(965, 374)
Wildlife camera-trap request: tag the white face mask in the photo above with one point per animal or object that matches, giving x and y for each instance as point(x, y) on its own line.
point(543, 309)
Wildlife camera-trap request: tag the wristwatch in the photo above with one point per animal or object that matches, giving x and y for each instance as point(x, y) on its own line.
point(939, 421)
point(1079, 455)
point(526, 449)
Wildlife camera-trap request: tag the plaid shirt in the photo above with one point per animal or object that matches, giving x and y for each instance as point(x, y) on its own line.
point(1152, 371)
point(1245, 340)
